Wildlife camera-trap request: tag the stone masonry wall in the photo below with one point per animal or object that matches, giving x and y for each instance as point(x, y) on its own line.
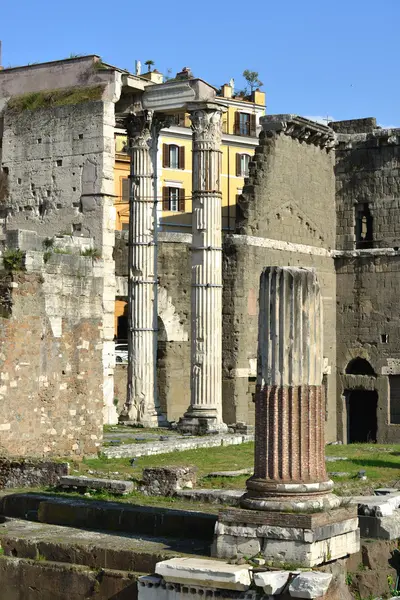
point(51, 357)
point(286, 217)
point(60, 166)
point(244, 259)
point(368, 293)
point(173, 351)
point(368, 173)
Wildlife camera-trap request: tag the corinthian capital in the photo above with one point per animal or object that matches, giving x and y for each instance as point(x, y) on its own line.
point(138, 127)
point(207, 124)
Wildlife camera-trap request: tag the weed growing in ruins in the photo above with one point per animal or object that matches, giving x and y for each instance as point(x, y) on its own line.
point(40, 557)
point(349, 578)
point(99, 65)
point(4, 188)
point(1, 551)
point(46, 256)
point(50, 98)
point(48, 243)
point(13, 260)
point(393, 591)
point(62, 251)
point(92, 252)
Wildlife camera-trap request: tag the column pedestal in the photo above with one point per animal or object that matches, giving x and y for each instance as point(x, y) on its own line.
point(294, 515)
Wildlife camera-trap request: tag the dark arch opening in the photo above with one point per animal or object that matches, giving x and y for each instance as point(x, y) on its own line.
point(359, 366)
point(362, 419)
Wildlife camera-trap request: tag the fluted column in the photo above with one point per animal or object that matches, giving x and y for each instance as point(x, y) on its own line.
point(141, 405)
point(205, 412)
point(289, 426)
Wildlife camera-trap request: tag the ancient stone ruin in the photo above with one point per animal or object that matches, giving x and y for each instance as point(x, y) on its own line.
point(290, 493)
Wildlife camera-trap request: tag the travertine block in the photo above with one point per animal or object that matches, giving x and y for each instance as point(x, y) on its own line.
point(205, 572)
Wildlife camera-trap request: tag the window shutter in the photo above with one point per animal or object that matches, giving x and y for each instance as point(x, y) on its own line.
point(165, 197)
point(181, 203)
point(181, 162)
point(238, 164)
point(237, 123)
point(125, 189)
point(165, 155)
point(253, 125)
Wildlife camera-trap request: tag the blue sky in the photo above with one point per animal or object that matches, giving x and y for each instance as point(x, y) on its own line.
point(315, 57)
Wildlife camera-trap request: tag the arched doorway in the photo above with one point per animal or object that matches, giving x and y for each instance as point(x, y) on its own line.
point(361, 402)
point(362, 423)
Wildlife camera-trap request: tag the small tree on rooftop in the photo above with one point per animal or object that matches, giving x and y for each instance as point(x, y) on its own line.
point(149, 64)
point(252, 79)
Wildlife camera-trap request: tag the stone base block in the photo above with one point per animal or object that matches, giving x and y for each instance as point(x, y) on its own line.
point(201, 425)
point(82, 483)
point(166, 481)
point(381, 528)
point(306, 540)
point(198, 571)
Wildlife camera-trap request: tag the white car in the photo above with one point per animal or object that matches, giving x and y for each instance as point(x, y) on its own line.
point(121, 353)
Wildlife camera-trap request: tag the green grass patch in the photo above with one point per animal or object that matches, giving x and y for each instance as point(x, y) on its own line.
point(381, 463)
point(50, 98)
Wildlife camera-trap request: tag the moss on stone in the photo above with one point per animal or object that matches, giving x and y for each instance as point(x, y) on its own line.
point(59, 97)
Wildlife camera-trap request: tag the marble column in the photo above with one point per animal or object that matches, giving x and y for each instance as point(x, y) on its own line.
point(205, 412)
point(289, 469)
point(141, 404)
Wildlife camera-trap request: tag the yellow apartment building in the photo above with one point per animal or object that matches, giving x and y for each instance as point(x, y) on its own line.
point(239, 139)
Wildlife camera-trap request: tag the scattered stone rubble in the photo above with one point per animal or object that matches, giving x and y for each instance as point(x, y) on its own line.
point(199, 577)
point(166, 481)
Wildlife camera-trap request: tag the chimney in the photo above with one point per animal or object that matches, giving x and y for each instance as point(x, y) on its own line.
point(226, 90)
point(186, 73)
point(153, 76)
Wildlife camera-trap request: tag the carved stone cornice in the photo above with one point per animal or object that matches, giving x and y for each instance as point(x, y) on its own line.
point(206, 123)
point(299, 128)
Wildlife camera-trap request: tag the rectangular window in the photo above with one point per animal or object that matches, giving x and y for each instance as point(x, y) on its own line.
point(173, 156)
point(244, 124)
point(242, 165)
point(125, 189)
point(174, 199)
point(394, 386)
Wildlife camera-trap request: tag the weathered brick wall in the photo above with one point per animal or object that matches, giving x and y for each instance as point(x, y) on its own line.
point(290, 193)
point(51, 372)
